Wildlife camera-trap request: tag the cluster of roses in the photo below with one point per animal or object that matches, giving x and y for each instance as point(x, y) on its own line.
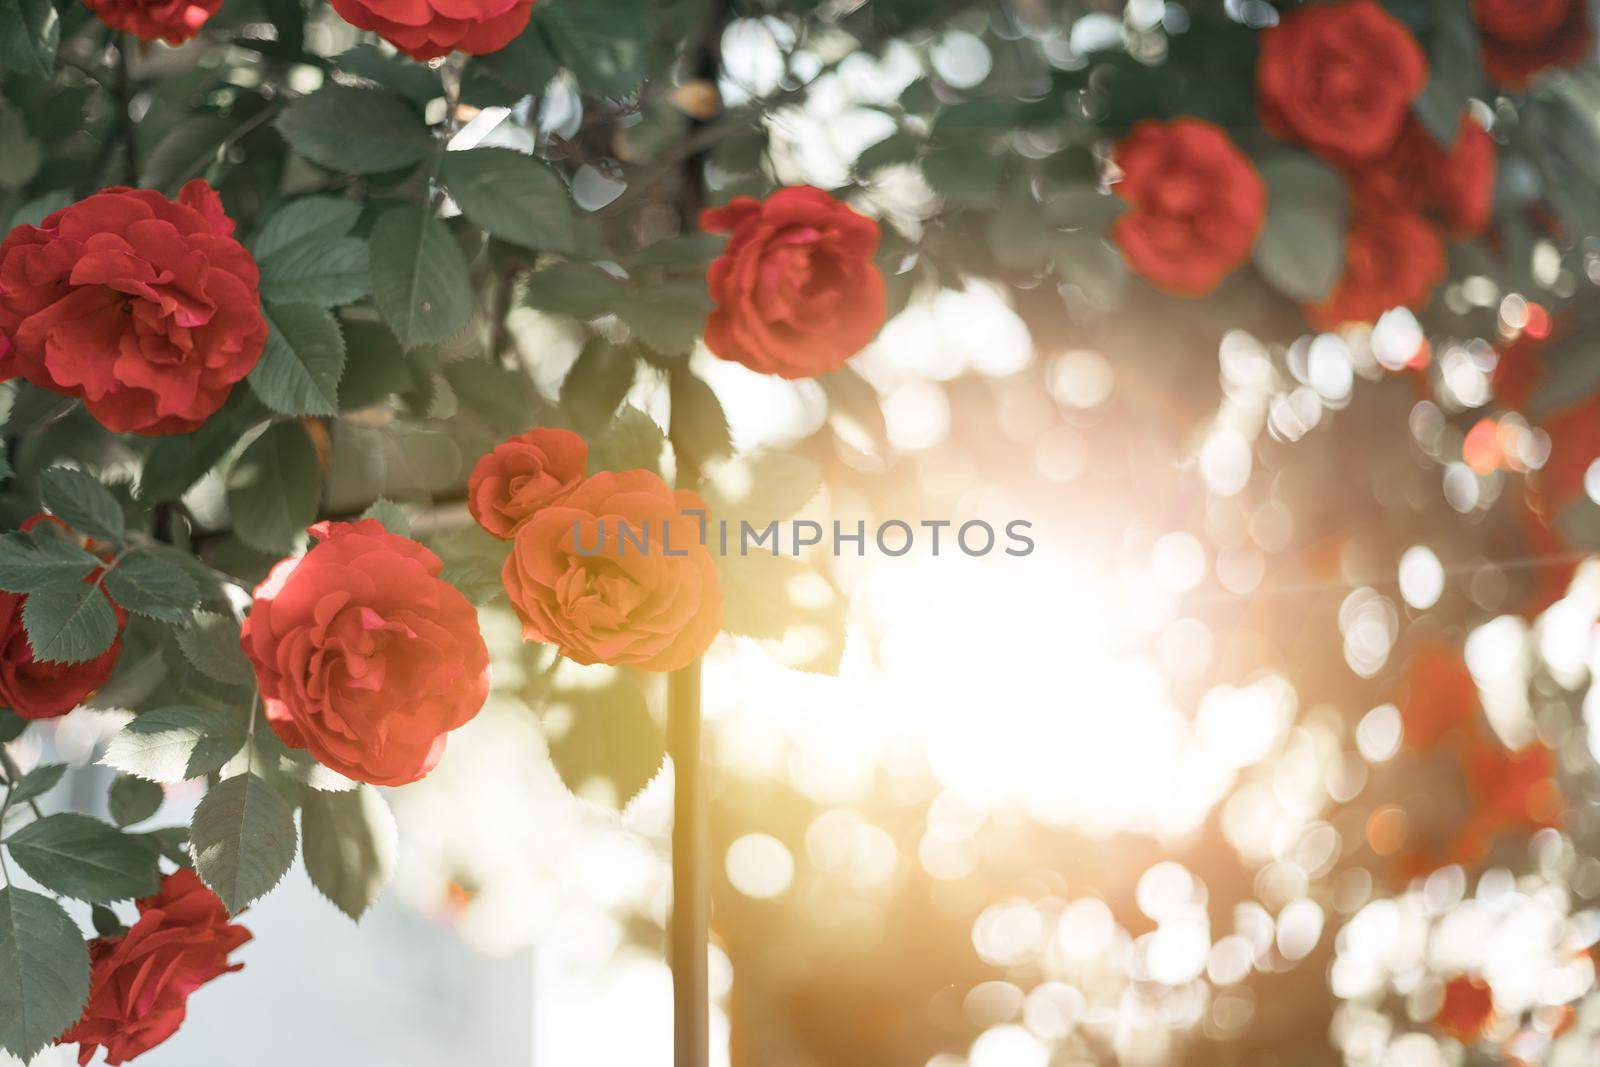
point(1339, 78)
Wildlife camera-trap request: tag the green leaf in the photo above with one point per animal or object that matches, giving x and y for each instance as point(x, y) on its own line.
point(81, 502)
point(419, 277)
point(668, 318)
point(191, 147)
point(30, 31)
point(85, 859)
point(33, 559)
point(302, 362)
point(513, 196)
point(375, 366)
point(133, 799)
point(44, 966)
point(37, 782)
point(392, 515)
point(304, 221)
point(798, 614)
point(699, 427)
point(358, 131)
point(211, 644)
point(69, 622)
point(106, 923)
point(691, 253)
point(149, 583)
point(243, 839)
point(274, 487)
point(12, 725)
point(1301, 249)
point(175, 463)
point(963, 175)
point(761, 486)
point(175, 744)
point(307, 256)
point(349, 844)
point(32, 212)
point(597, 383)
point(22, 157)
point(632, 441)
point(400, 75)
point(603, 742)
point(575, 289)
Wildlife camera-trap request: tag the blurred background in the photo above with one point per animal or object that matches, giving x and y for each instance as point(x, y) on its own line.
point(1172, 789)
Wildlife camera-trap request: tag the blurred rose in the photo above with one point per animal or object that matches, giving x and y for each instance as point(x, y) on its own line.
point(428, 29)
point(1417, 175)
point(1441, 699)
point(576, 583)
point(796, 291)
point(365, 658)
point(1393, 258)
point(1523, 37)
point(1467, 1009)
point(1512, 790)
point(1339, 77)
point(173, 21)
point(523, 474)
point(1196, 202)
point(140, 980)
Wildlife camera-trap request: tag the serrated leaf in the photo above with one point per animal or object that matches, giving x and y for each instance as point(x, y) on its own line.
point(358, 131)
point(274, 487)
point(668, 318)
point(575, 289)
point(175, 463)
point(132, 800)
point(631, 441)
point(603, 735)
point(242, 839)
point(211, 644)
point(1301, 248)
point(37, 782)
point(419, 277)
point(392, 515)
point(44, 971)
point(798, 615)
point(84, 858)
point(81, 502)
point(349, 842)
point(305, 220)
point(30, 31)
point(106, 923)
point(187, 151)
point(153, 585)
point(597, 383)
point(301, 364)
point(30, 560)
point(515, 197)
point(325, 274)
point(175, 744)
point(699, 427)
point(69, 622)
point(762, 485)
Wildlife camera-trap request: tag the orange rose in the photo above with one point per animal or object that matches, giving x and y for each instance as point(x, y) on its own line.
point(522, 475)
point(616, 573)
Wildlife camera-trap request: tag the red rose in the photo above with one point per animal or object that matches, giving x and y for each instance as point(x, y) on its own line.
point(364, 656)
point(1417, 175)
point(577, 580)
point(1339, 77)
point(1512, 790)
point(173, 21)
point(524, 474)
point(1392, 259)
point(796, 291)
point(38, 689)
point(428, 29)
point(1523, 37)
point(1197, 204)
point(1441, 700)
point(1574, 447)
point(1467, 1009)
point(144, 307)
point(140, 980)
